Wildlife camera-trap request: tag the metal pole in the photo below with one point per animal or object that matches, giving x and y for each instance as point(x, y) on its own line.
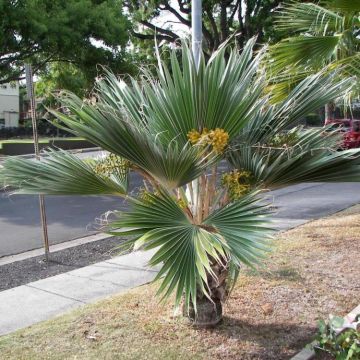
point(196, 30)
point(30, 92)
point(196, 42)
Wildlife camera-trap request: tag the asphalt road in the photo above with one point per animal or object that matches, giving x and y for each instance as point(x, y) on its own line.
point(71, 217)
point(68, 218)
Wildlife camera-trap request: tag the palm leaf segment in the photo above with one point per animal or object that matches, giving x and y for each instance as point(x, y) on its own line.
point(58, 174)
point(187, 250)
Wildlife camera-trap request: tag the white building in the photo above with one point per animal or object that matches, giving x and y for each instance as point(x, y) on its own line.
point(9, 104)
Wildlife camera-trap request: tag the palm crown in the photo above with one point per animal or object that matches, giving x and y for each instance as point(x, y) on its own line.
point(323, 36)
point(174, 130)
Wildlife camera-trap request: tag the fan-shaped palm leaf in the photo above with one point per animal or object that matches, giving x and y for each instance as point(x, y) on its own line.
point(60, 173)
point(186, 249)
point(168, 163)
point(304, 17)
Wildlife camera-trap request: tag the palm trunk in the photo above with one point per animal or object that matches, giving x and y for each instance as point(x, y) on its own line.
point(209, 311)
point(329, 111)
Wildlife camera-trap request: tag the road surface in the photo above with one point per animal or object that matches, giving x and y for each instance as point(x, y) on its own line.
point(68, 218)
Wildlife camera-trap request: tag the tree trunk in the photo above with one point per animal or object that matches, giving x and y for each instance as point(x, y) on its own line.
point(329, 111)
point(209, 312)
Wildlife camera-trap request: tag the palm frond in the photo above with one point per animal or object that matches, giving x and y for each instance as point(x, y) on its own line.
point(324, 38)
point(306, 97)
point(184, 249)
point(350, 6)
point(59, 173)
point(117, 95)
point(348, 67)
point(169, 163)
point(308, 18)
point(244, 224)
point(314, 51)
point(313, 159)
point(179, 99)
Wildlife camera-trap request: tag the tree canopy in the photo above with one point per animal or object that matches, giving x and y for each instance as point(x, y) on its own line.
point(58, 76)
point(221, 18)
point(82, 32)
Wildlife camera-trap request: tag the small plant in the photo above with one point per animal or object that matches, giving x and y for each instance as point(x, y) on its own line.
point(344, 345)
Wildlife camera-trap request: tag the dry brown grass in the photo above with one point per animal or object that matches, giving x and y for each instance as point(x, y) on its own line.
point(313, 271)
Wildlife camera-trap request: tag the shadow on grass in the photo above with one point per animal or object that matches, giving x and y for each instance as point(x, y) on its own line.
point(284, 273)
point(274, 340)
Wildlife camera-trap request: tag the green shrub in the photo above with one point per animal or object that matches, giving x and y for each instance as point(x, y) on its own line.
point(343, 346)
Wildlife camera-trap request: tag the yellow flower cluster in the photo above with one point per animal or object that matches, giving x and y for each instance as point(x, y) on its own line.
point(194, 136)
point(145, 195)
point(182, 203)
point(111, 164)
point(217, 138)
point(238, 183)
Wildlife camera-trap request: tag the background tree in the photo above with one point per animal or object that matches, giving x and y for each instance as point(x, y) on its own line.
point(324, 37)
point(82, 32)
point(221, 18)
point(59, 76)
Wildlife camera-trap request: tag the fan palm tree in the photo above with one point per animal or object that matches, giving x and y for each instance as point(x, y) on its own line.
point(173, 130)
point(324, 35)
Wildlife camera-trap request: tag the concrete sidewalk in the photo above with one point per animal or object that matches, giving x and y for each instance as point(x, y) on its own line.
point(40, 300)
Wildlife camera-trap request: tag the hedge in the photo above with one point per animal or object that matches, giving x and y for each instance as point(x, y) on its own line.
point(44, 127)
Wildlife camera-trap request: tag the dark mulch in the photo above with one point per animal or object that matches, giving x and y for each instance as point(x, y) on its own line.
point(36, 268)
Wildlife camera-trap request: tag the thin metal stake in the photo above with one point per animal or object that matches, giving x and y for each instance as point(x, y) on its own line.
point(30, 92)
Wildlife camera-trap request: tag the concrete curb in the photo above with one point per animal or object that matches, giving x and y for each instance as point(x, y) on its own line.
point(308, 353)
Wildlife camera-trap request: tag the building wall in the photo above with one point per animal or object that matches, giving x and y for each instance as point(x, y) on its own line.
point(9, 104)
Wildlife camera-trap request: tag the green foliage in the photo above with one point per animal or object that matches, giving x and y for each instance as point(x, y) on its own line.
point(323, 37)
point(59, 76)
point(53, 30)
point(57, 174)
point(160, 223)
point(343, 346)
